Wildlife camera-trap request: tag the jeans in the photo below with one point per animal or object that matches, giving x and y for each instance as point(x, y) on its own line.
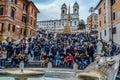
point(83, 64)
point(57, 62)
point(36, 57)
point(2, 61)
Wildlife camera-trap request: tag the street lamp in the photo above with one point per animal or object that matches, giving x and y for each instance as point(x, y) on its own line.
point(111, 37)
point(25, 33)
point(54, 27)
point(18, 27)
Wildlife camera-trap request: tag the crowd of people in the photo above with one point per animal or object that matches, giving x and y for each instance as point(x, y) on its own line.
point(59, 49)
point(110, 50)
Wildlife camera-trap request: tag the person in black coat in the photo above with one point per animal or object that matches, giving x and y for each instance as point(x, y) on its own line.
point(91, 52)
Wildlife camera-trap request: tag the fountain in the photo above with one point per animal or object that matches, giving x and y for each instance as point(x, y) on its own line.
point(104, 68)
point(21, 74)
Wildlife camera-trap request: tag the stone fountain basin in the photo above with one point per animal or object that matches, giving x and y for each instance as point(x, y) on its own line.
point(89, 75)
point(25, 74)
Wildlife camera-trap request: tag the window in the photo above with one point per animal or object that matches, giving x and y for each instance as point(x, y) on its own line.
point(12, 13)
point(24, 19)
point(63, 12)
point(35, 15)
point(11, 28)
point(24, 7)
point(1, 10)
point(96, 26)
point(14, 1)
point(114, 30)
point(34, 23)
point(30, 32)
point(31, 20)
point(62, 23)
point(32, 10)
point(104, 5)
point(105, 32)
point(112, 2)
point(76, 11)
point(100, 23)
point(1, 27)
point(113, 16)
point(75, 23)
point(99, 11)
point(20, 30)
point(105, 19)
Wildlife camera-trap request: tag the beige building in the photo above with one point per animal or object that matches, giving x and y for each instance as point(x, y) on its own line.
point(109, 20)
point(92, 21)
point(18, 18)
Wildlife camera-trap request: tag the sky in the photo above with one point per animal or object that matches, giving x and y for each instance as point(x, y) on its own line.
point(51, 9)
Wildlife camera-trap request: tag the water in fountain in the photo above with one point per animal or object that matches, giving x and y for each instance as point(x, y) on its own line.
point(43, 78)
point(88, 78)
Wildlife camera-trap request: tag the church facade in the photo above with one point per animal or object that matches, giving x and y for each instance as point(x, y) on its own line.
point(58, 25)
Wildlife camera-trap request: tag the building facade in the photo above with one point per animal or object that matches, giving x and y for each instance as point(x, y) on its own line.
point(92, 21)
point(18, 18)
point(50, 25)
point(109, 20)
point(58, 25)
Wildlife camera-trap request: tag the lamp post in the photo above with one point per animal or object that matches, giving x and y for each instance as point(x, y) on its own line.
point(25, 34)
point(18, 32)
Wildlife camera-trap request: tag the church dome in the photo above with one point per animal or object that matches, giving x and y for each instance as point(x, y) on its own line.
point(64, 6)
point(76, 5)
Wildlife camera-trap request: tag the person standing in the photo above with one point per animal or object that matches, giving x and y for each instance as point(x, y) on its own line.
point(3, 57)
point(91, 52)
point(9, 51)
point(113, 49)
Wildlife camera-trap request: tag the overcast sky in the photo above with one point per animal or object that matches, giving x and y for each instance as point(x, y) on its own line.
point(51, 9)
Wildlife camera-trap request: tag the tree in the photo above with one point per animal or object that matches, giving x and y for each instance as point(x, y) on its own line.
point(81, 26)
point(91, 10)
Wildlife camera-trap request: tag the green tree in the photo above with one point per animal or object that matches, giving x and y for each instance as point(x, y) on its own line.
point(81, 26)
